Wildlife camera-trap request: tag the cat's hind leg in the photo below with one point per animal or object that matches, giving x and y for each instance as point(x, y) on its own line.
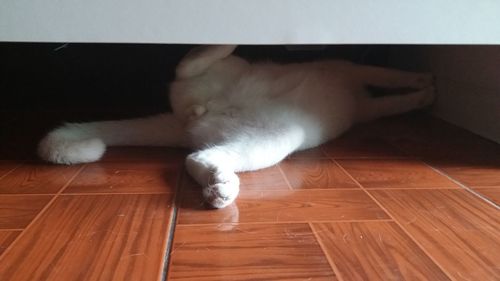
point(201, 58)
point(215, 167)
point(86, 142)
point(372, 108)
point(392, 78)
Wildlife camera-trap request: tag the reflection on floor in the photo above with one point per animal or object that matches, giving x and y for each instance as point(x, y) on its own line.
point(403, 198)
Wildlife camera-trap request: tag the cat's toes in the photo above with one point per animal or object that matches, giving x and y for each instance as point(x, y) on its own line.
point(195, 111)
point(57, 149)
point(428, 97)
point(224, 190)
point(424, 80)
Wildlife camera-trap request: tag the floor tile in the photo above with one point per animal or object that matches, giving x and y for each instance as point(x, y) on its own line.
point(7, 166)
point(375, 251)
point(265, 179)
point(126, 177)
point(18, 211)
point(284, 206)
point(437, 139)
point(93, 237)
point(313, 153)
point(6, 238)
point(472, 173)
point(114, 222)
point(395, 173)
point(373, 148)
point(456, 228)
point(315, 173)
point(37, 178)
point(247, 252)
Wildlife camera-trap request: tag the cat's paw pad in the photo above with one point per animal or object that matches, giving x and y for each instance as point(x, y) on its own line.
point(424, 80)
point(223, 191)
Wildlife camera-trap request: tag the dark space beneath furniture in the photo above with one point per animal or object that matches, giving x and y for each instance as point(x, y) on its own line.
point(51, 76)
point(51, 83)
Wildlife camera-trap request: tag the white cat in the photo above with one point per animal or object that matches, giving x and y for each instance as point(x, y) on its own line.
point(239, 116)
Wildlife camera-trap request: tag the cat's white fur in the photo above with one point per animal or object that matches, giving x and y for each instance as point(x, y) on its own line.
point(239, 116)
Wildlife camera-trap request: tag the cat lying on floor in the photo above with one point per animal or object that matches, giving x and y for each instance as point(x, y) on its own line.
point(238, 116)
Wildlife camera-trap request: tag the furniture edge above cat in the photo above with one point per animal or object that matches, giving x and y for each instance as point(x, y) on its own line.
point(252, 22)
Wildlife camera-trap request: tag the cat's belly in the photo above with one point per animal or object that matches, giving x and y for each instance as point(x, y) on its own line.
point(319, 122)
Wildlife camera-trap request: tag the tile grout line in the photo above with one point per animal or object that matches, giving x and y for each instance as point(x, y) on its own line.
point(411, 237)
point(401, 227)
point(78, 172)
point(165, 268)
point(284, 176)
point(298, 190)
point(12, 170)
point(327, 256)
point(42, 211)
point(346, 173)
point(284, 222)
point(463, 186)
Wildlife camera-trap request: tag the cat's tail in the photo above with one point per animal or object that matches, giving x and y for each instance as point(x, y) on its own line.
point(71, 144)
point(200, 59)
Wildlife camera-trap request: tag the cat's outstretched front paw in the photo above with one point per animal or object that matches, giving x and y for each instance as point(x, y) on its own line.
point(223, 191)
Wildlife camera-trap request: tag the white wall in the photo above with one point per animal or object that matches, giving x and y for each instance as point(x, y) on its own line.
point(468, 83)
point(468, 86)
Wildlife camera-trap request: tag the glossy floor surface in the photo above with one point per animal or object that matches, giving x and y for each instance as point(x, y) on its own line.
point(407, 198)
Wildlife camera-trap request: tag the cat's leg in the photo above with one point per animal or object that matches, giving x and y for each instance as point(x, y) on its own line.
point(201, 58)
point(86, 142)
point(392, 78)
point(215, 168)
point(372, 108)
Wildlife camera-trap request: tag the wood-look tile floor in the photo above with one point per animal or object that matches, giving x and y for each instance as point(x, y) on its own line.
point(406, 198)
